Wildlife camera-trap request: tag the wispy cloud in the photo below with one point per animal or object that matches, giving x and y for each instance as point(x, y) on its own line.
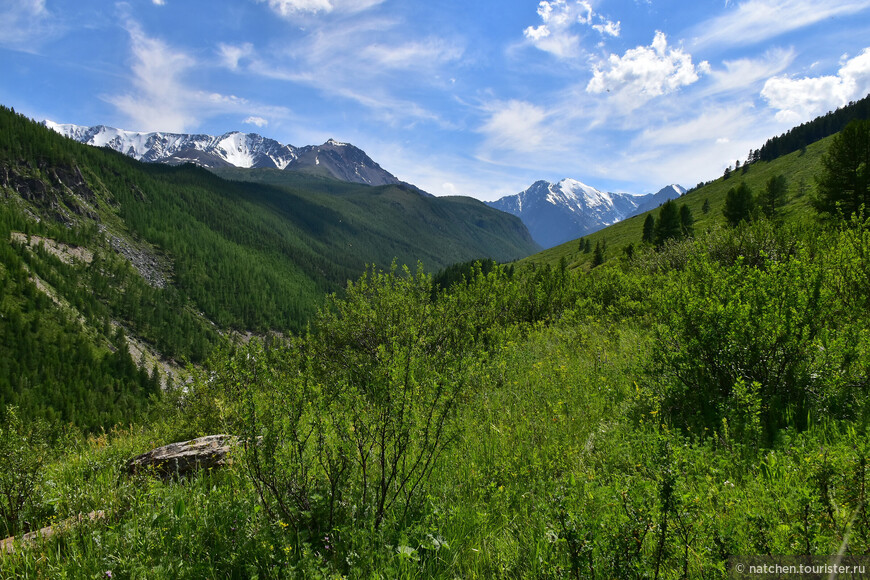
point(292, 8)
point(559, 21)
point(755, 21)
point(25, 23)
point(162, 98)
point(516, 126)
point(740, 74)
point(375, 61)
point(232, 54)
point(258, 121)
point(645, 72)
point(799, 99)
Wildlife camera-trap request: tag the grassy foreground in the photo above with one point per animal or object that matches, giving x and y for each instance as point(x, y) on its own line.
point(650, 418)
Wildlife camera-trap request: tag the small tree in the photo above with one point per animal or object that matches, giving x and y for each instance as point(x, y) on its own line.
point(668, 224)
point(774, 195)
point(739, 205)
point(705, 209)
point(649, 229)
point(844, 182)
point(23, 452)
point(598, 256)
point(686, 221)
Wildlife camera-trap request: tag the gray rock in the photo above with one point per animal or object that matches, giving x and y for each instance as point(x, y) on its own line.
point(185, 457)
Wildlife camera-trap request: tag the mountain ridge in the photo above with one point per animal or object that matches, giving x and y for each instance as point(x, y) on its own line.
point(555, 213)
point(340, 160)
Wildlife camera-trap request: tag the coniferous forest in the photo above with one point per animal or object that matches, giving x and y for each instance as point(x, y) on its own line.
point(608, 414)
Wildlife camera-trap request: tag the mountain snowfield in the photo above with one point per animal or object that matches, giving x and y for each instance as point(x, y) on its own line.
point(555, 213)
point(246, 150)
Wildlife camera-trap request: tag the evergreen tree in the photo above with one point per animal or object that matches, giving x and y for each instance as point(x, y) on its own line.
point(844, 182)
point(668, 224)
point(774, 195)
point(598, 256)
point(705, 209)
point(739, 205)
point(686, 221)
point(649, 229)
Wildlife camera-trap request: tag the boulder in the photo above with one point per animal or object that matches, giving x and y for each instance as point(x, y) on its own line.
point(185, 457)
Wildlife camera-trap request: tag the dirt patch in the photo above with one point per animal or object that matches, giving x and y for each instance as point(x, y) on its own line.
point(67, 254)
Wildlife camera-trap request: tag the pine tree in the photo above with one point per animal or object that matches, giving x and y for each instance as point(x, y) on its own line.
point(844, 182)
point(705, 209)
point(686, 221)
point(598, 256)
point(668, 224)
point(739, 205)
point(649, 229)
point(774, 196)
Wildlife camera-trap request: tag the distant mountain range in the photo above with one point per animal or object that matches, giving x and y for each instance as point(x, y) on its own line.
point(555, 213)
point(234, 149)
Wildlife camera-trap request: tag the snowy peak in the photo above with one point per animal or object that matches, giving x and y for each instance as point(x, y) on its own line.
point(654, 200)
point(555, 213)
point(234, 149)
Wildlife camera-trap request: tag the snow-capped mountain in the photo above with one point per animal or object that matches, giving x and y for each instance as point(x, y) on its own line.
point(249, 150)
point(555, 213)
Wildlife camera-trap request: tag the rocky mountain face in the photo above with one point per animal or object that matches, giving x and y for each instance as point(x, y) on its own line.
point(235, 149)
point(555, 213)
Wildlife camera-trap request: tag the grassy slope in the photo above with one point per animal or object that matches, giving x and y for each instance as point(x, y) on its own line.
point(795, 166)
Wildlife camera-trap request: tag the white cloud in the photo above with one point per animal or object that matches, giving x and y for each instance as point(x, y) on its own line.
point(160, 98)
point(742, 73)
point(24, 22)
point(291, 8)
point(516, 126)
point(412, 54)
point(705, 127)
point(801, 99)
point(646, 72)
point(287, 8)
point(758, 20)
point(556, 33)
point(372, 60)
point(231, 54)
point(258, 121)
point(159, 2)
point(608, 28)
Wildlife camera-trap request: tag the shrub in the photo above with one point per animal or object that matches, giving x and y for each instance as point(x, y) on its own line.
point(23, 453)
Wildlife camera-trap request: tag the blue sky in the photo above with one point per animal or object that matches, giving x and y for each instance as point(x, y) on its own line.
point(476, 98)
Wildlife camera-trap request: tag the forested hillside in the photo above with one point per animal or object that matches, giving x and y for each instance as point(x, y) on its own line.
point(177, 257)
point(706, 206)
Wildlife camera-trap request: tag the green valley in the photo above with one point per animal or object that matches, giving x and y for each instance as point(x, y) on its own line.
point(660, 415)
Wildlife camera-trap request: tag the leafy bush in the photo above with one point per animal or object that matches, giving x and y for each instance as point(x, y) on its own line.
point(23, 453)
